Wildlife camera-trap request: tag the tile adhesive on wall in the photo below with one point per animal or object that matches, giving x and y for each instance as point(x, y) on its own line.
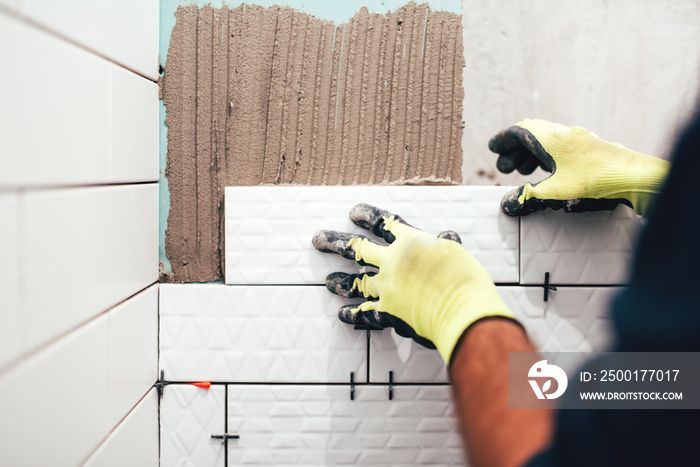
point(272, 95)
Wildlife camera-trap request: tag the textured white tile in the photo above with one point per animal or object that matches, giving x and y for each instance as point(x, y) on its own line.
point(133, 127)
point(586, 248)
point(188, 417)
point(269, 229)
point(409, 361)
point(257, 334)
point(59, 396)
point(133, 351)
point(574, 319)
point(125, 31)
point(9, 284)
point(320, 425)
point(53, 117)
point(86, 250)
point(134, 442)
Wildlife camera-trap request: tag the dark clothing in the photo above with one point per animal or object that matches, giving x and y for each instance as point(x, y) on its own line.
point(658, 312)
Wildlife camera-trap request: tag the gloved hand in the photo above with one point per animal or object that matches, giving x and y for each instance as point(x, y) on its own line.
point(588, 173)
point(427, 288)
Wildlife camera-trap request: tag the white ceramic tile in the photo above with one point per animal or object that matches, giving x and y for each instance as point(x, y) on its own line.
point(55, 405)
point(133, 127)
point(320, 425)
point(134, 442)
point(574, 319)
point(589, 248)
point(269, 229)
point(86, 250)
point(126, 31)
point(257, 334)
point(188, 417)
point(408, 361)
point(9, 284)
point(53, 117)
point(11, 4)
point(133, 351)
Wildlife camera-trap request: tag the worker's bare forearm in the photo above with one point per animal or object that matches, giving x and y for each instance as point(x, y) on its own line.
point(493, 434)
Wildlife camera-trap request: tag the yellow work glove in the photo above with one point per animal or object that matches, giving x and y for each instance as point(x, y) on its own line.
point(588, 173)
point(430, 289)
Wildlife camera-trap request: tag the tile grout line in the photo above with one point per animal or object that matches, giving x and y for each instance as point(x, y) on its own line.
point(497, 284)
point(76, 186)
point(310, 384)
point(160, 441)
point(369, 337)
point(225, 424)
point(520, 250)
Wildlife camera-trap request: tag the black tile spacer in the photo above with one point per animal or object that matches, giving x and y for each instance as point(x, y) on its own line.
point(352, 385)
point(547, 287)
point(161, 383)
point(391, 385)
point(225, 437)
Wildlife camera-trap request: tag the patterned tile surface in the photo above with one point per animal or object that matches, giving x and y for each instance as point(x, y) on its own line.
point(257, 334)
point(320, 425)
point(593, 248)
point(269, 229)
point(188, 417)
point(409, 361)
point(574, 319)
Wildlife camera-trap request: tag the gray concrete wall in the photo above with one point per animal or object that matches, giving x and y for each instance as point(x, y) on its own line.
point(627, 70)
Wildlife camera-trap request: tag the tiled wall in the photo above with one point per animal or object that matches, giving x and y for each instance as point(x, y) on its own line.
point(281, 361)
point(78, 232)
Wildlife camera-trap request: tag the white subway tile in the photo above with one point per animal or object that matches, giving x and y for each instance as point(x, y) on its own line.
point(86, 249)
point(10, 346)
point(573, 319)
point(320, 425)
point(53, 118)
point(71, 113)
point(134, 442)
point(54, 405)
point(11, 4)
point(133, 127)
point(188, 417)
point(592, 248)
point(269, 229)
point(257, 334)
point(133, 351)
point(125, 31)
